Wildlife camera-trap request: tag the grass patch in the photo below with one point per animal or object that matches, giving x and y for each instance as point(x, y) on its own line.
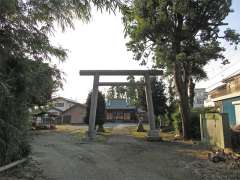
point(166, 136)
point(139, 135)
point(76, 131)
point(79, 132)
point(107, 132)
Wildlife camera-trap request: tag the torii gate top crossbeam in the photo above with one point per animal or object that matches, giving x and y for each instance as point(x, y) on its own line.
point(119, 83)
point(120, 72)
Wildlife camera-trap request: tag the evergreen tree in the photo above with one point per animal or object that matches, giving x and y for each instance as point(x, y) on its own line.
point(131, 91)
point(100, 114)
point(158, 96)
point(178, 34)
point(111, 93)
point(120, 92)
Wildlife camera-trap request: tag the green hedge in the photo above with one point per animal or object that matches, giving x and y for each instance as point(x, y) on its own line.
point(194, 123)
point(14, 128)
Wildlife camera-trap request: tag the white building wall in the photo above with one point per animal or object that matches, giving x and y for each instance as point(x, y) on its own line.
point(199, 97)
point(209, 102)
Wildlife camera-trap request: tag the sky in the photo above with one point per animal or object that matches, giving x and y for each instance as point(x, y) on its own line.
point(100, 44)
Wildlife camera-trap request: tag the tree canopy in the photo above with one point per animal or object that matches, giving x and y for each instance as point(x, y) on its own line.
point(179, 36)
point(28, 77)
point(158, 96)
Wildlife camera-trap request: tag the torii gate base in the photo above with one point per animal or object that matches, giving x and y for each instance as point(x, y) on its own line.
point(153, 133)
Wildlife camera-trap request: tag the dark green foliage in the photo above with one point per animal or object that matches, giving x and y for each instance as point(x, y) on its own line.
point(191, 89)
point(181, 36)
point(158, 96)
point(101, 106)
point(141, 96)
point(24, 83)
point(195, 132)
point(177, 123)
point(172, 102)
point(26, 79)
point(120, 92)
point(195, 125)
point(116, 92)
point(131, 91)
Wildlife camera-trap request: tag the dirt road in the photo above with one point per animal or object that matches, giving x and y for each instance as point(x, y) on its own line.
point(120, 157)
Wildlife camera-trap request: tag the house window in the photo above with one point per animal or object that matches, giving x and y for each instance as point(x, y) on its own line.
point(59, 105)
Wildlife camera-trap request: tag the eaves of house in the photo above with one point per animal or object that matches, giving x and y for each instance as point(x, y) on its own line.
point(228, 96)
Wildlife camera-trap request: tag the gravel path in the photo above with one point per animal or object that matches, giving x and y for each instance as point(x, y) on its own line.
point(121, 157)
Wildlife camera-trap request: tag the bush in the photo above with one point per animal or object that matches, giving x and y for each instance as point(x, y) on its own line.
point(157, 122)
point(177, 122)
point(194, 123)
point(206, 110)
point(13, 143)
point(14, 126)
point(165, 121)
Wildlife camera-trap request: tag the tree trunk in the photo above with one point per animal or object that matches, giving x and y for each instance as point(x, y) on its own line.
point(191, 92)
point(185, 115)
point(181, 73)
point(181, 82)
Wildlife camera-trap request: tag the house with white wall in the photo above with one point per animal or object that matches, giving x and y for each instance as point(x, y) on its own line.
point(68, 111)
point(200, 95)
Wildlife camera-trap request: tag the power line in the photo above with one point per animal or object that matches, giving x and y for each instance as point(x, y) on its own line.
point(221, 79)
point(224, 70)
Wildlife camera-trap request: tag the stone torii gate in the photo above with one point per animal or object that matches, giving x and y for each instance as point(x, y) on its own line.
point(153, 133)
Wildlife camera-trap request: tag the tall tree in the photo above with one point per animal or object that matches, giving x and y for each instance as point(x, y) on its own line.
point(131, 91)
point(111, 93)
point(100, 114)
point(178, 34)
point(26, 77)
point(141, 96)
point(171, 100)
point(158, 96)
point(120, 92)
point(24, 84)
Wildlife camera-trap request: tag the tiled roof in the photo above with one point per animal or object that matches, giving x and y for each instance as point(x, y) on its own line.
point(66, 99)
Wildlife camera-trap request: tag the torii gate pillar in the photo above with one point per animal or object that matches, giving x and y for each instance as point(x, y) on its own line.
point(153, 133)
point(93, 109)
